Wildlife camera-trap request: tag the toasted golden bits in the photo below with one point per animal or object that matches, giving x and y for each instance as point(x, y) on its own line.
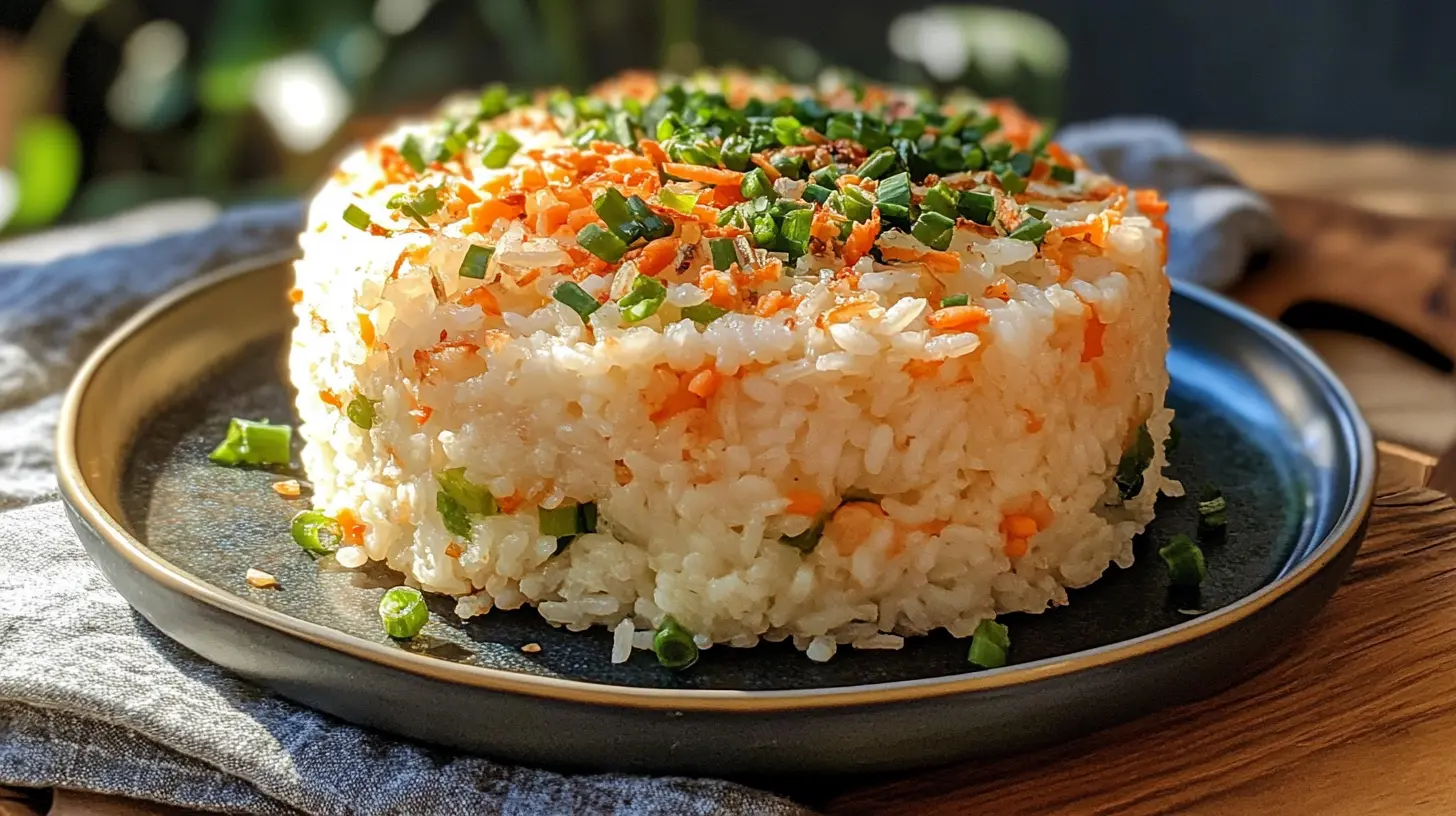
point(288, 488)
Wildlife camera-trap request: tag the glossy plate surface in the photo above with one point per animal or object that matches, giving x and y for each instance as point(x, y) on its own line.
point(1258, 416)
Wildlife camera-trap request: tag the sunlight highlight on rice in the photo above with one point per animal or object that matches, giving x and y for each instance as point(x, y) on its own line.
point(564, 356)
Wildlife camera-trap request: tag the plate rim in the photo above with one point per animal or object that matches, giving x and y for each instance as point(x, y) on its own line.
point(76, 492)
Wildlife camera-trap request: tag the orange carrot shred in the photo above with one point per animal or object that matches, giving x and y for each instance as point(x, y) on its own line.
point(803, 503)
point(657, 256)
point(959, 318)
point(705, 383)
point(481, 296)
point(706, 175)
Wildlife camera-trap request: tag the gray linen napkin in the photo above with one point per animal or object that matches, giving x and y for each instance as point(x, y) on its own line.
point(92, 697)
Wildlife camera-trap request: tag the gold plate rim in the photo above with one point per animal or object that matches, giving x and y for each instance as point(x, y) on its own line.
point(78, 494)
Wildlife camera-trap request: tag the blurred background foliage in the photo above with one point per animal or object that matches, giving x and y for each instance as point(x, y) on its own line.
point(105, 104)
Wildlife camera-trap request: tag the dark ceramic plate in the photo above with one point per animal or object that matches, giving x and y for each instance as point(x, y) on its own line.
point(1259, 416)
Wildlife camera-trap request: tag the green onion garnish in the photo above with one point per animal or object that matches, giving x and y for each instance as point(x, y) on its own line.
point(643, 300)
point(419, 206)
point(1213, 511)
point(1032, 229)
point(755, 184)
point(977, 206)
point(807, 540)
point(652, 225)
point(674, 645)
point(254, 443)
point(703, 313)
point(472, 497)
point(999, 152)
point(790, 166)
point(403, 612)
point(586, 517)
point(611, 205)
point(856, 205)
point(315, 532)
point(1134, 463)
point(736, 151)
point(576, 298)
point(787, 130)
point(559, 521)
point(878, 164)
point(974, 157)
point(959, 299)
point(357, 218)
point(724, 255)
point(453, 515)
point(601, 243)
point(1022, 163)
point(825, 176)
point(893, 196)
point(1011, 181)
point(990, 644)
point(498, 150)
point(940, 199)
point(1186, 567)
point(477, 258)
point(817, 194)
point(795, 232)
point(1065, 175)
point(410, 150)
point(765, 231)
point(360, 411)
point(934, 230)
point(1036, 212)
point(677, 202)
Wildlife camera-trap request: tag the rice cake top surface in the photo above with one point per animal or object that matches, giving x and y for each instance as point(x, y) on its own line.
point(715, 193)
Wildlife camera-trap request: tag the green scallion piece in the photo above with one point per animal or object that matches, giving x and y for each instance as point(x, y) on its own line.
point(453, 516)
point(878, 164)
point(611, 205)
point(677, 202)
point(643, 300)
point(703, 313)
point(476, 260)
point(419, 206)
point(1022, 163)
point(1134, 463)
point(977, 206)
point(1213, 511)
point(357, 218)
point(755, 184)
point(473, 498)
point(724, 255)
point(674, 645)
point(652, 225)
point(1011, 181)
point(788, 130)
point(940, 199)
point(934, 230)
point(1065, 175)
point(360, 411)
point(576, 298)
point(795, 232)
point(254, 443)
point(735, 152)
point(1186, 567)
point(825, 176)
point(1032, 229)
point(790, 166)
point(806, 541)
point(498, 150)
point(559, 521)
point(990, 644)
point(999, 152)
point(403, 612)
point(605, 245)
point(973, 157)
point(1036, 212)
point(958, 299)
point(817, 194)
point(893, 196)
point(586, 514)
point(411, 152)
point(856, 205)
point(765, 231)
point(316, 533)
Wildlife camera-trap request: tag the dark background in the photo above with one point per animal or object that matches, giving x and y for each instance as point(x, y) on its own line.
point(1332, 69)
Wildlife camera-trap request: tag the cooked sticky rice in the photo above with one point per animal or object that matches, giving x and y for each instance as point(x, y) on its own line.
point(774, 401)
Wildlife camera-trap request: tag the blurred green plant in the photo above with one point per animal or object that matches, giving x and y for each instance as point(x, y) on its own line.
point(271, 90)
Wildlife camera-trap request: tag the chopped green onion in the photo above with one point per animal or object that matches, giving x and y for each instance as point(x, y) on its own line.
point(940, 199)
point(856, 205)
point(806, 541)
point(476, 259)
point(788, 130)
point(1036, 212)
point(755, 184)
point(790, 166)
point(360, 411)
point(315, 532)
point(990, 644)
point(357, 218)
point(959, 299)
point(611, 205)
point(419, 206)
point(559, 521)
point(643, 300)
point(974, 157)
point(934, 230)
point(1022, 163)
point(840, 126)
point(703, 313)
point(977, 206)
point(817, 194)
point(472, 497)
point(677, 202)
point(498, 150)
point(795, 232)
point(736, 151)
point(586, 513)
point(909, 127)
point(825, 176)
point(1186, 567)
point(724, 255)
point(576, 298)
point(999, 152)
point(1134, 463)
point(410, 151)
point(403, 612)
point(1065, 175)
point(1213, 511)
point(1032, 229)
point(254, 443)
point(1011, 181)
point(601, 243)
point(674, 645)
point(893, 196)
point(453, 515)
point(765, 231)
point(878, 163)
point(652, 225)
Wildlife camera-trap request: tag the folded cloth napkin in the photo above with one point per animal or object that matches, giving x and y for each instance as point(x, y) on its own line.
point(93, 698)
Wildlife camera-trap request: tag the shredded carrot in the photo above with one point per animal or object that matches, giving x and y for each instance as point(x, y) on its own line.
point(959, 318)
point(295, 295)
point(762, 162)
point(1092, 335)
point(653, 151)
point(1015, 547)
point(454, 550)
point(396, 169)
point(861, 239)
point(1016, 525)
point(351, 526)
point(852, 524)
point(366, 330)
point(1034, 421)
point(823, 226)
point(574, 196)
point(706, 175)
point(803, 503)
point(923, 369)
point(657, 256)
point(466, 195)
point(422, 414)
point(726, 195)
point(1000, 290)
point(1149, 204)
point(705, 383)
point(329, 398)
point(510, 504)
point(1099, 376)
point(771, 303)
point(482, 297)
point(531, 178)
point(580, 218)
point(484, 214)
point(1059, 155)
point(628, 163)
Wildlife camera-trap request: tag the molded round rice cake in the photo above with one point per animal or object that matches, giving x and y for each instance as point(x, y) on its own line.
point(839, 421)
